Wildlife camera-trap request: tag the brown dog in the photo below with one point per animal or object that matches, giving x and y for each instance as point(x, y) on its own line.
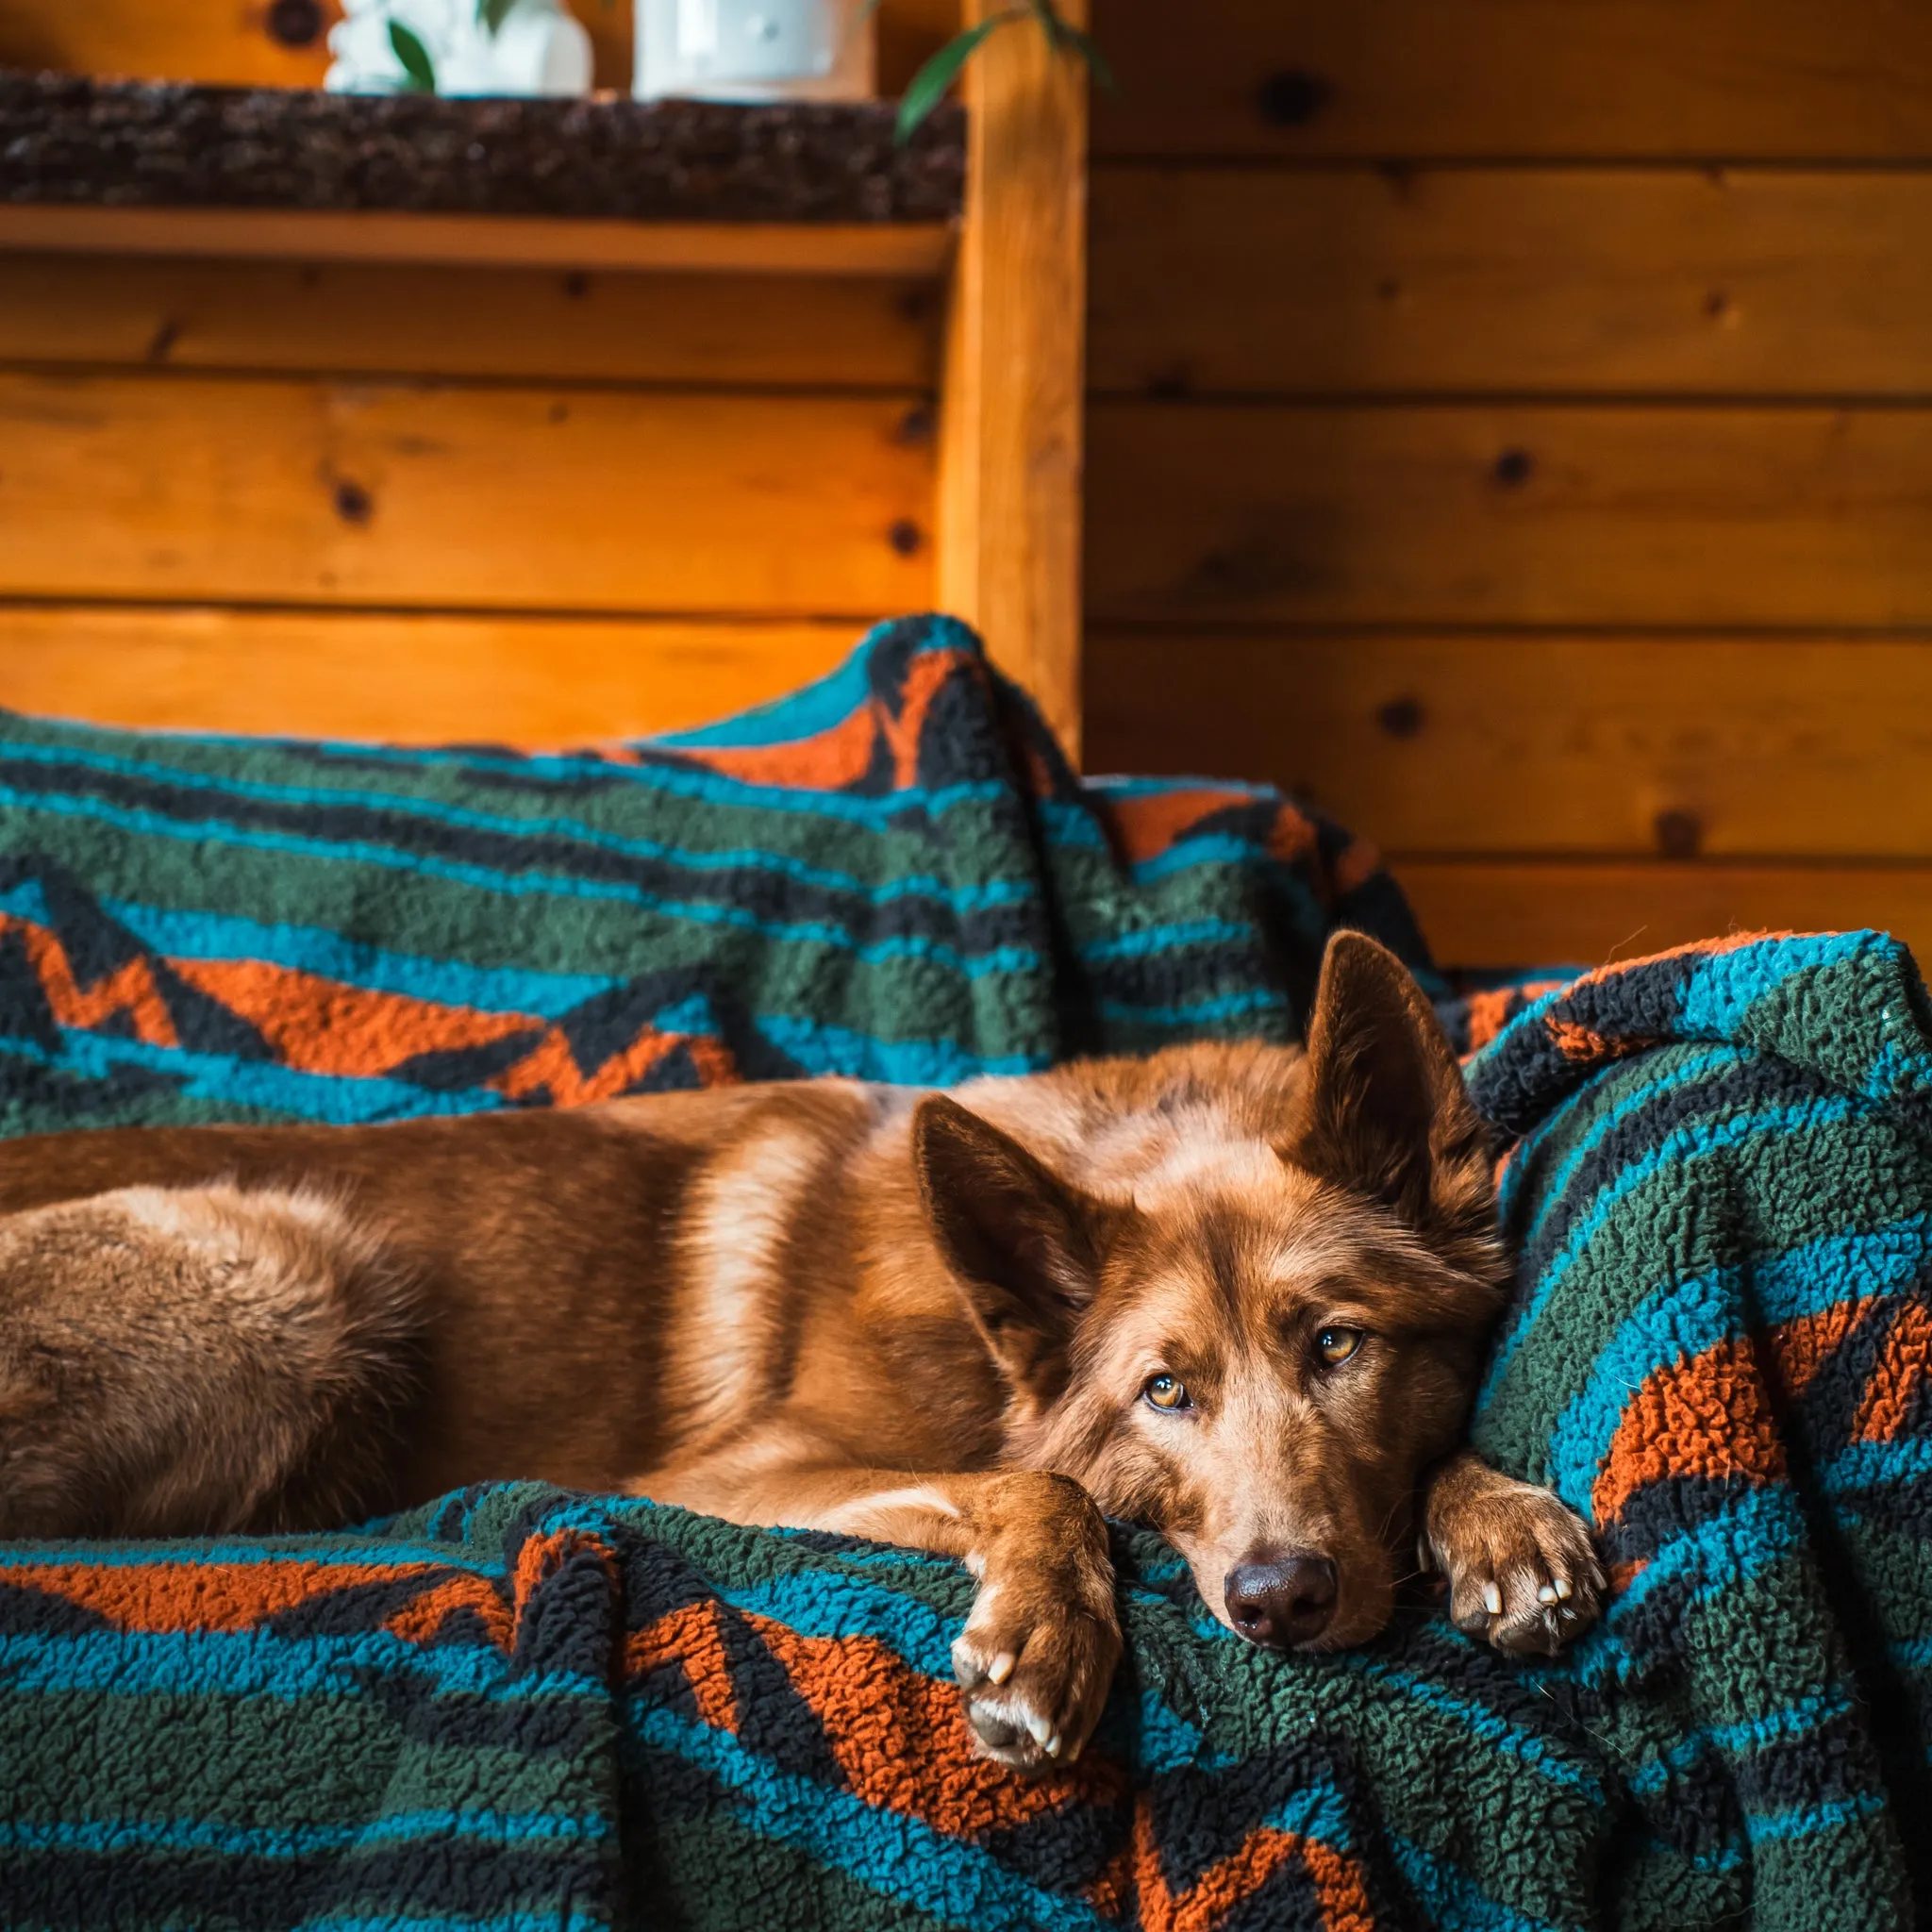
point(1238, 1292)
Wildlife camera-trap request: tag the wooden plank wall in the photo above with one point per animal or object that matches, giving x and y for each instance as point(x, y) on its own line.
point(1508, 424)
point(347, 499)
point(434, 501)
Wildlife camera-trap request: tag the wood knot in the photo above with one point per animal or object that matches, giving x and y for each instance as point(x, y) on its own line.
point(294, 22)
point(1514, 468)
point(1400, 717)
point(1293, 98)
point(354, 504)
point(1679, 834)
point(906, 537)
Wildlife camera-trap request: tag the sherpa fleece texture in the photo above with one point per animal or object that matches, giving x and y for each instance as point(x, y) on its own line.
point(891, 874)
point(522, 1709)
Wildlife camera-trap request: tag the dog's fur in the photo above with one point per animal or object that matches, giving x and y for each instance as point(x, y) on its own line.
point(955, 1321)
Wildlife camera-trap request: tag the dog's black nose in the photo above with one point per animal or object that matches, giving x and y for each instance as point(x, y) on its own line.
point(1281, 1596)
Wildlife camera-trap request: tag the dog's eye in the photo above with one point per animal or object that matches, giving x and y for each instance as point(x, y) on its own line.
point(1166, 1391)
point(1335, 1345)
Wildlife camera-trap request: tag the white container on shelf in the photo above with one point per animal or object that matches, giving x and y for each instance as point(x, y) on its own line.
point(755, 50)
point(539, 49)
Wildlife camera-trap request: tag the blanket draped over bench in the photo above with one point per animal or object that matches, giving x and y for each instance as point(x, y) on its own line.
point(522, 1708)
point(891, 874)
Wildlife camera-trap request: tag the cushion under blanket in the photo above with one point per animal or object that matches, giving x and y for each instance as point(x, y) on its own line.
point(518, 1707)
point(892, 875)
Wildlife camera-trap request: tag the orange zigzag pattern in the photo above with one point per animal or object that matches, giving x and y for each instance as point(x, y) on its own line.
point(1707, 1415)
point(900, 1737)
point(902, 1740)
point(1336, 1880)
point(1898, 1377)
point(319, 1025)
point(1714, 1414)
point(130, 991)
point(166, 1599)
point(838, 758)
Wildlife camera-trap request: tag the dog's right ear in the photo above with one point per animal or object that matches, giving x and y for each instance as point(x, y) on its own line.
point(1384, 1109)
point(1023, 1245)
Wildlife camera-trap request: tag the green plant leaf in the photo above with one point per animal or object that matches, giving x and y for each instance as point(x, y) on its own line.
point(414, 55)
point(1051, 25)
point(927, 88)
point(1097, 63)
point(491, 15)
point(1063, 36)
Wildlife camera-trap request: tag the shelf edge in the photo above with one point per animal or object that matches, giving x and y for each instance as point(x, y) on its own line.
point(914, 249)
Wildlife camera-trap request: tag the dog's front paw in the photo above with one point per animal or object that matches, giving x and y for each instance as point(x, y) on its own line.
point(1522, 1569)
point(1039, 1651)
point(1034, 1669)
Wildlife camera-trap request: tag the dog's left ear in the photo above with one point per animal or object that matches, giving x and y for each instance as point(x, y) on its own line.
point(1383, 1110)
point(1023, 1246)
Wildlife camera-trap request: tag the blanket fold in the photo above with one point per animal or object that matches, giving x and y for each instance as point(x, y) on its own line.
point(892, 875)
point(1722, 1200)
point(517, 1707)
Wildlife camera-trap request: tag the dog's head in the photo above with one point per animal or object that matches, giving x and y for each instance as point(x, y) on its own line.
point(1246, 1300)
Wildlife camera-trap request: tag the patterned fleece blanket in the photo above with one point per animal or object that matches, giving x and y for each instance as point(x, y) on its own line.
point(523, 1708)
point(891, 874)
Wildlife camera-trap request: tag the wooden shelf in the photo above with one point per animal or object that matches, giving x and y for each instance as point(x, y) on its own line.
point(821, 248)
point(74, 138)
point(233, 460)
point(138, 168)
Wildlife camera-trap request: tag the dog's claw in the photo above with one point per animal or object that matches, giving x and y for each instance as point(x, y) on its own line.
point(1035, 1707)
point(1522, 1573)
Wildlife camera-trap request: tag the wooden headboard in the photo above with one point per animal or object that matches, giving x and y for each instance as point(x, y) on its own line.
point(528, 478)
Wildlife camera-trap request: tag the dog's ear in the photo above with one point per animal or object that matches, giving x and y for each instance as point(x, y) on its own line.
point(1383, 1110)
point(1023, 1246)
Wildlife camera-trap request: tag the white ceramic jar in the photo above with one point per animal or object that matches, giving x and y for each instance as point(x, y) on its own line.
point(538, 49)
point(755, 50)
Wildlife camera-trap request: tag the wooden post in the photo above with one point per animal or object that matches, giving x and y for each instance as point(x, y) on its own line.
point(1009, 499)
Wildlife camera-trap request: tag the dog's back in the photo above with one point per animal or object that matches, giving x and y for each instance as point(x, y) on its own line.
point(617, 1292)
point(524, 1269)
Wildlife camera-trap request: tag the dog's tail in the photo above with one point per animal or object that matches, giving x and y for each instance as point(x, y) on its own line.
point(197, 1360)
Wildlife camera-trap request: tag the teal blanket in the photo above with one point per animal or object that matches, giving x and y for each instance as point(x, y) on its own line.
point(518, 1707)
point(892, 875)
